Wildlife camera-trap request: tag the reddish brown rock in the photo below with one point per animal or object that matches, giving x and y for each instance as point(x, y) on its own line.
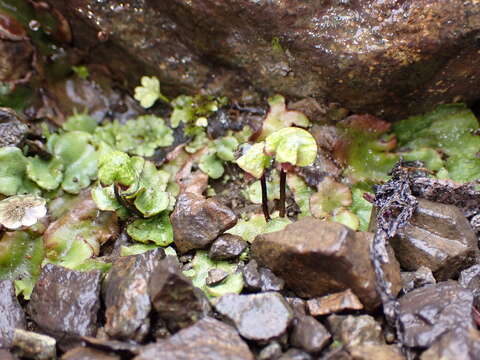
point(380, 56)
point(345, 300)
point(198, 221)
point(317, 258)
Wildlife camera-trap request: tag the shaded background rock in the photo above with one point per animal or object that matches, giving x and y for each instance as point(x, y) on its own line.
point(383, 57)
point(309, 334)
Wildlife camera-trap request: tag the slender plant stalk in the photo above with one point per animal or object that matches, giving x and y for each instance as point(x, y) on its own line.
point(266, 213)
point(283, 179)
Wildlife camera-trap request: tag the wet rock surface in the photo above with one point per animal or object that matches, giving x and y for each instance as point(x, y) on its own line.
point(174, 297)
point(207, 339)
point(317, 257)
point(84, 353)
point(126, 295)
point(12, 128)
point(11, 313)
point(226, 247)
point(455, 344)
point(415, 279)
point(345, 300)
point(432, 311)
point(198, 221)
point(295, 354)
point(309, 334)
point(470, 278)
point(259, 278)
point(439, 237)
point(259, 317)
point(27, 344)
point(418, 53)
point(64, 302)
point(356, 330)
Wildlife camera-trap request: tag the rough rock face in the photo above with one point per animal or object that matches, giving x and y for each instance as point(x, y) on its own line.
point(65, 302)
point(174, 297)
point(260, 278)
point(470, 278)
point(11, 313)
point(356, 330)
point(378, 56)
point(126, 296)
point(12, 128)
point(208, 339)
point(226, 247)
point(428, 313)
point(30, 345)
point(439, 237)
point(415, 279)
point(309, 334)
point(456, 344)
point(259, 317)
point(317, 258)
point(198, 221)
point(84, 353)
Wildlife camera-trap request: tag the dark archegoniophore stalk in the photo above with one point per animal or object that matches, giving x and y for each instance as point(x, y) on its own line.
point(283, 179)
point(266, 213)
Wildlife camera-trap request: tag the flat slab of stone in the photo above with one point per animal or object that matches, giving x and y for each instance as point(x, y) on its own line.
point(317, 258)
point(31, 345)
point(208, 339)
point(65, 302)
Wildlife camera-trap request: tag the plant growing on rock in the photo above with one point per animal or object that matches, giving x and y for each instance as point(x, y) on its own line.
point(289, 146)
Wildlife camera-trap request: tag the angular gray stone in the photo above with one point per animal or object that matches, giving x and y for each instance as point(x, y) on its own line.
point(259, 317)
point(126, 295)
point(12, 128)
point(226, 247)
point(174, 298)
point(11, 313)
point(64, 303)
point(429, 312)
point(455, 344)
point(317, 258)
point(208, 339)
point(270, 352)
point(439, 237)
point(198, 221)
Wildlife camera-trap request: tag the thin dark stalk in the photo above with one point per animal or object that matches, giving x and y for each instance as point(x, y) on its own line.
point(283, 179)
point(125, 202)
point(266, 213)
